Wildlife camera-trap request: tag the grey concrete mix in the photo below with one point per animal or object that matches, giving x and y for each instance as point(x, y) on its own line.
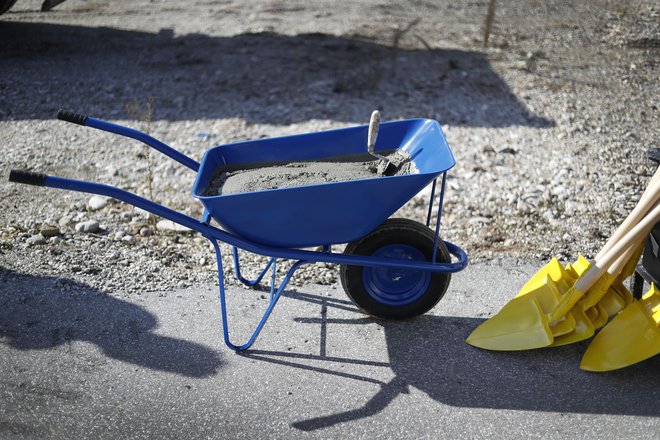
point(293, 174)
point(78, 363)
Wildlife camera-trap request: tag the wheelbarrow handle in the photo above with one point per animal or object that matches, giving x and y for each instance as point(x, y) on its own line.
point(88, 121)
point(27, 177)
point(31, 178)
point(69, 116)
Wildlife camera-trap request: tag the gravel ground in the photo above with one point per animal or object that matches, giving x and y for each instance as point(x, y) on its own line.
point(549, 124)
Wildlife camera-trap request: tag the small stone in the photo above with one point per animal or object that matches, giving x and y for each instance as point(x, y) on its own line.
point(141, 212)
point(97, 202)
point(480, 220)
point(64, 221)
point(507, 150)
point(49, 230)
point(36, 240)
point(170, 226)
point(55, 240)
point(145, 232)
point(89, 226)
point(129, 239)
point(119, 235)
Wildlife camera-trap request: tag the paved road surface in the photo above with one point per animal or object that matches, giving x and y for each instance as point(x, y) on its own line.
point(77, 363)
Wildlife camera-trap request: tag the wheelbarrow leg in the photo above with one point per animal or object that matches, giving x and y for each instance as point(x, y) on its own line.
point(257, 280)
point(275, 293)
point(439, 215)
point(437, 221)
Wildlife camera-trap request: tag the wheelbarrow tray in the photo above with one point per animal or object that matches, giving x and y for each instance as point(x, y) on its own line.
point(328, 213)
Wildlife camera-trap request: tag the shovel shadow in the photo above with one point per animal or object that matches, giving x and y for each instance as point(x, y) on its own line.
point(38, 313)
point(429, 353)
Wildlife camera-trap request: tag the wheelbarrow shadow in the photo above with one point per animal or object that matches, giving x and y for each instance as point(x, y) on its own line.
point(38, 313)
point(429, 353)
point(264, 78)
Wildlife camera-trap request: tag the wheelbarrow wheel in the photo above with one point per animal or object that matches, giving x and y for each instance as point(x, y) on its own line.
point(396, 293)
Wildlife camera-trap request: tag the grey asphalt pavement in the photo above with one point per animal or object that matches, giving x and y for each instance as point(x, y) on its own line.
point(78, 363)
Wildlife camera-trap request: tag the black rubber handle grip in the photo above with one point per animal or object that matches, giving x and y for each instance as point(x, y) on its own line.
point(69, 116)
point(653, 154)
point(27, 177)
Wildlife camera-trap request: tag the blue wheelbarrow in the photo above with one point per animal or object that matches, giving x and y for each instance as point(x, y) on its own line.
point(390, 268)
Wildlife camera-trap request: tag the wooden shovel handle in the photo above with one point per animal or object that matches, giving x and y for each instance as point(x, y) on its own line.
point(648, 199)
point(616, 268)
point(637, 233)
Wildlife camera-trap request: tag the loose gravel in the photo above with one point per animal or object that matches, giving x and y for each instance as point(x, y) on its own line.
point(549, 124)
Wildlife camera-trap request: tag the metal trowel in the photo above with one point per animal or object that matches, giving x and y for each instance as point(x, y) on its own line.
point(387, 166)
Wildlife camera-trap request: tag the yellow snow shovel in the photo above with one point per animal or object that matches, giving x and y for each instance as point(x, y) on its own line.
point(632, 336)
point(526, 322)
point(541, 295)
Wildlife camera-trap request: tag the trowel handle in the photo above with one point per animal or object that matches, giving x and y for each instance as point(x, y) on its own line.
point(649, 197)
point(374, 125)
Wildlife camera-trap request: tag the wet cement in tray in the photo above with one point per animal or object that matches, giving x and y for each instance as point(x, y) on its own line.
point(267, 176)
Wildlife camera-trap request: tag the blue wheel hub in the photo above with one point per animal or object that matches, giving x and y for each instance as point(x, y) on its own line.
point(393, 286)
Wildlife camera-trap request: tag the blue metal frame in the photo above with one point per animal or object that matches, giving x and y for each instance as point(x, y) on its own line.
point(257, 280)
point(216, 235)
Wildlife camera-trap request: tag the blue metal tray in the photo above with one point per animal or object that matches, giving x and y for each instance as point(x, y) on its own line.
point(328, 213)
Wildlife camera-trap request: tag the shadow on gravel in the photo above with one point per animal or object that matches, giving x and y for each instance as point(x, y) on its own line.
point(39, 313)
point(263, 78)
point(429, 353)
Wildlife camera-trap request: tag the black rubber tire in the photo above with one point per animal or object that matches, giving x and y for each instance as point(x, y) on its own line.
point(396, 231)
point(5, 5)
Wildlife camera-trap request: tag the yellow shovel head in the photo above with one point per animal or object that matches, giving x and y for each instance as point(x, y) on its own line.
point(618, 296)
point(549, 298)
point(588, 313)
point(631, 337)
point(522, 323)
point(584, 328)
point(598, 290)
point(623, 293)
point(613, 302)
point(553, 270)
point(587, 320)
point(599, 303)
point(580, 266)
point(601, 317)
